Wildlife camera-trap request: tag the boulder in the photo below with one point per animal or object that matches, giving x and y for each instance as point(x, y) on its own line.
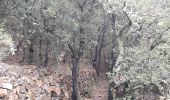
point(3, 93)
point(7, 86)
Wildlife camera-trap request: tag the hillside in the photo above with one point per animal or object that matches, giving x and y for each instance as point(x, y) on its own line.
point(85, 49)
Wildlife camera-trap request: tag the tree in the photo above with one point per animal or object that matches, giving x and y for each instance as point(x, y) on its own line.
point(142, 62)
point(87, 18)
point(99, 47)
point(41, 21)
point(6, 41)
point(57, 25)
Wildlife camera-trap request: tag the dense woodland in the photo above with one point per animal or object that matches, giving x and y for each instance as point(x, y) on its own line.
point(125, 41)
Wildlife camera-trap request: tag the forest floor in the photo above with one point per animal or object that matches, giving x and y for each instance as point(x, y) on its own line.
point(101, 86)
point(100, 90)
point(31, 82)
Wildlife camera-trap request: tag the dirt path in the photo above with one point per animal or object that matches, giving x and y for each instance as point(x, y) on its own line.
point(100, 90)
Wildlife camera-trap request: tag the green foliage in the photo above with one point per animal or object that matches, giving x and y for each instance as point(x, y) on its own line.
point(146, 47)
point(6, 43)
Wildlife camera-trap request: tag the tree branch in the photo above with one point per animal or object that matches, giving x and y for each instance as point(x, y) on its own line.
point(81, 6)
point(72, 50)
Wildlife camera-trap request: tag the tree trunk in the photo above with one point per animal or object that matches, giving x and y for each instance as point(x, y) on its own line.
point(110, 95)
point(98, 51)
point(23, 56)
point(31, 53)
point(40, 53)
point(31, 50)
point(75, 57)
point(18, 48)
point(46, 53)
point(113, 58)
point(75, 70)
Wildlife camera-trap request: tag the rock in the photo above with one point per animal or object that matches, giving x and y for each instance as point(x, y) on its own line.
point(52, 84)
point(46, 98)
point(54, 91)
point(39, 83)
point(6, 86)
point(13, 74)
point(55, 98)
point(51, 88)
point(23, 97)
point(3, 93)
point(26, 79)
point(58, 90)
point(22, 89)
point(162, 98)
point(4, 79)
point(27, 87)
point(66, 94)
point(45, 87)
point(50, 79)
point(16, 90)
point(41, 91)
point(11, 97)
point(57, 84)
point(19, 82)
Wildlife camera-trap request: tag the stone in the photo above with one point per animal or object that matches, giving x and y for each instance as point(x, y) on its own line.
point(23, 97)
point(50, 79)
point(11, 97)
point(26, 79)
point(4, 79)
point(22, 89)
point(19, 82)
point(39, 83)
point(54, 91)
point(55, 98)
point(66, 94)
point(45, 87)
point(46, 98)
point(3, 93)
point(16, 90)
point(58, 90)
point(7, 86)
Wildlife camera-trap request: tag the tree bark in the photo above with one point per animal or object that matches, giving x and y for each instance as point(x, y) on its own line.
point(40, 53)
point(75, 70)
point(110, 95)
point(31, 49)
point(75, 57)
point(46, 53)
point(98, 51)
point(113, 58)
point(23, 56)
point(31, 53)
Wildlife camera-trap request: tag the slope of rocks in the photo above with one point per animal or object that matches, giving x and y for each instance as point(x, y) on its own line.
point(32, 83)
point(26, 83)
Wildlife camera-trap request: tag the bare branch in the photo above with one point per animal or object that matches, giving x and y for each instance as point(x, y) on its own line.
point(81, 6)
